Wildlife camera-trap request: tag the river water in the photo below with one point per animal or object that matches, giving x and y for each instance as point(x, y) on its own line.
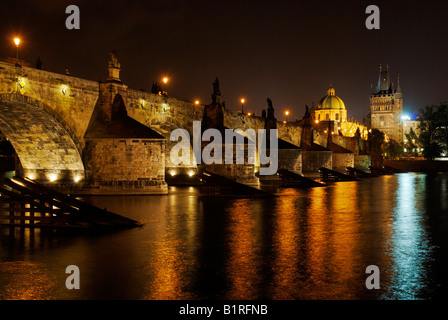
point(303, 244)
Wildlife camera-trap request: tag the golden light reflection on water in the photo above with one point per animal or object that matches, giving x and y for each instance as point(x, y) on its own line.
point(172, 257)
point(167, 268)
point(345, 238)
point(303, 244)
point(24, 280)
point(242, 266)
point(318, 241)
point(286, 242)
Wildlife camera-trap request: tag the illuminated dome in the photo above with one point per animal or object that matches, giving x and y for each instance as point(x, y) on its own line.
point(331, 101)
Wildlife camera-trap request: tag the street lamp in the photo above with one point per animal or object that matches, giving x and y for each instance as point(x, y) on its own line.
point(196, 103)
point(286, 114)
point(242, 105)
point(17, 42)
point(165, 81)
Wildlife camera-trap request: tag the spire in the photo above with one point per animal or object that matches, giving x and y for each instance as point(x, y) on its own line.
point(379, 81)
point(398, 84)
point(398, 92)
point(384, 83)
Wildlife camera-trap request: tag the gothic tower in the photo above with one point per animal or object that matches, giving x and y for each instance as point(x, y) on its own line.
point(386, 106)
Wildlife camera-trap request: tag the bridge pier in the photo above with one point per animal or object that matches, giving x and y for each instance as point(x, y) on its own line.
point(122, 156)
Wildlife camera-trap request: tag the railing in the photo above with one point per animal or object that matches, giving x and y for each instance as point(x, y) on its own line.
point(26, 203)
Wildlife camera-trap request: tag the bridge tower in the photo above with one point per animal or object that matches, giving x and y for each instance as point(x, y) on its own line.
point(386, 106)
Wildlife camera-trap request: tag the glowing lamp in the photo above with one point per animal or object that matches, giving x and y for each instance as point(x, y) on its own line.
point(17, 41)
point(52, 177)
point(406, 118)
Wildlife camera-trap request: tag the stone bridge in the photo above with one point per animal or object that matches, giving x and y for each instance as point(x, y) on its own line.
point(101, 136)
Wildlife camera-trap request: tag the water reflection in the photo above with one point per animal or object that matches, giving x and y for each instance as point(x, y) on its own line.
point(172, 253)
point(243, 262)
point(303, 244)
point(23, 280)
point(411, 247)
point(286, 245)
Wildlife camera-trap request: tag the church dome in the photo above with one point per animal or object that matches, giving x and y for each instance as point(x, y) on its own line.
point(331, 101)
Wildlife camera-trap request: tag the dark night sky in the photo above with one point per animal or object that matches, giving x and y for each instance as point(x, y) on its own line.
point(289, 51)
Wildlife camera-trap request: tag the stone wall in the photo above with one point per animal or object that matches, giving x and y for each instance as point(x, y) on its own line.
point(71, 99)
point(341, 161)
point(164, 115)
point(290, 159)
point(125, 166)
point(362, 162)
point(45, 149)
point(313, 160)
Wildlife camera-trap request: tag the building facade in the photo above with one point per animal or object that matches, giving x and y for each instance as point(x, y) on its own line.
point(330, 116)
point(386, 107)
point(330, 108)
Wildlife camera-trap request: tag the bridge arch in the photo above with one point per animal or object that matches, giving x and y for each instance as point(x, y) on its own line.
point(46, 148)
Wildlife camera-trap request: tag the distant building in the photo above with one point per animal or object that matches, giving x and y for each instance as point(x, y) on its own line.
point(331, 115)
point(386, 107)
point(409, 124)
point(331, 108)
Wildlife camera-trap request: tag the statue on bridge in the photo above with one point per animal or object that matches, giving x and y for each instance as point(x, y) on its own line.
point(114, 67)
point(113, 60)
point(270, 109)
point(216, 90)
point(216, 96)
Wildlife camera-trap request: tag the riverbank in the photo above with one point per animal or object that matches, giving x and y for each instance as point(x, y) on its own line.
point(418, 165)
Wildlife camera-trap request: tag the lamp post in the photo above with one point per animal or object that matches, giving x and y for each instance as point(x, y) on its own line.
point(165, 81)
point(242, 105)
point(196, 103)
point(17, 42)
point(286, 115)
